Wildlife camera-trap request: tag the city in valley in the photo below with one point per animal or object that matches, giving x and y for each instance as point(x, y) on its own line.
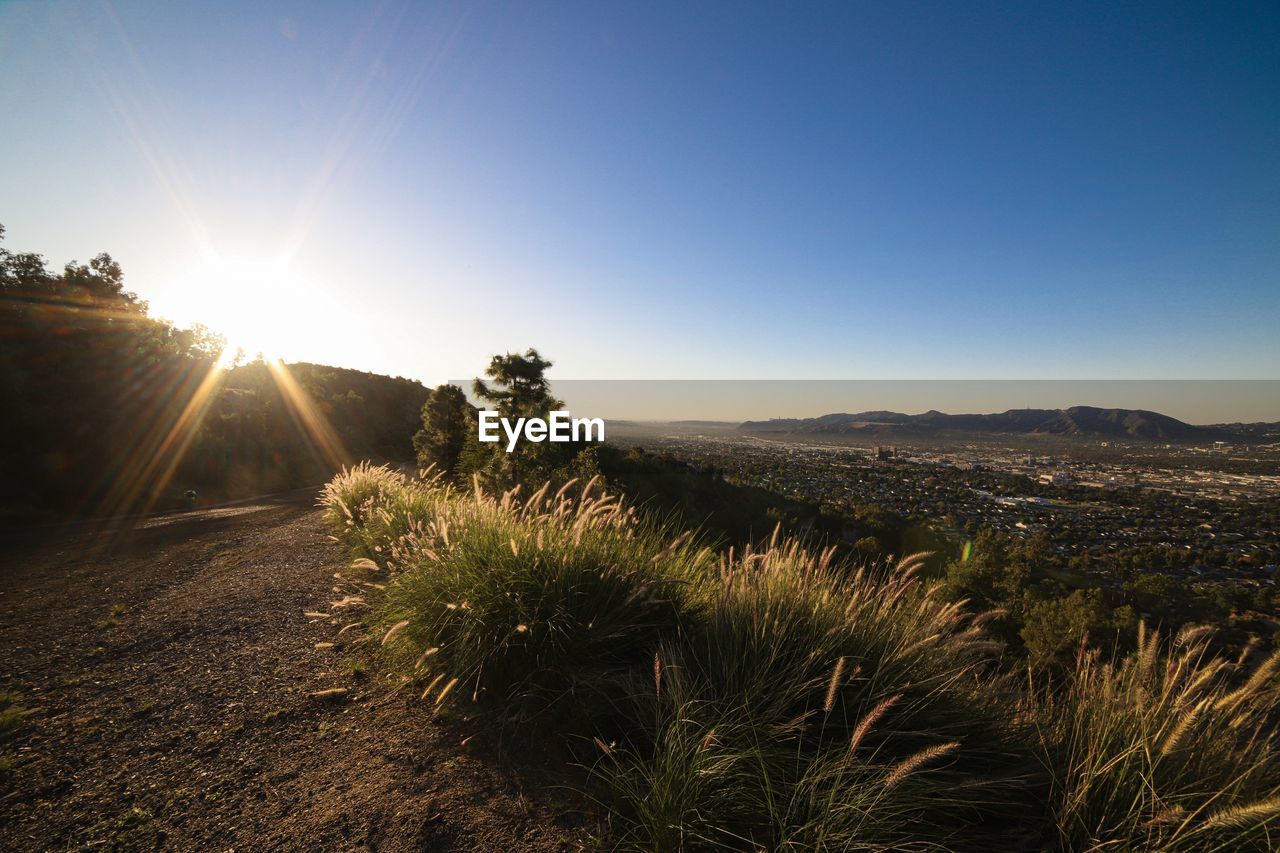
point(1099, 501)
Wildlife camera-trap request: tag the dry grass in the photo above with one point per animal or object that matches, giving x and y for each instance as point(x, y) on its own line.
point(776, 699)
point(1170, 748)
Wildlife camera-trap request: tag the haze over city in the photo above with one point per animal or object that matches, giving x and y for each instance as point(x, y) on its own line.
point(1193, 401)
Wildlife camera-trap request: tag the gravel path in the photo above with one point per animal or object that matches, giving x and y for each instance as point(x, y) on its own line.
point(170, 674)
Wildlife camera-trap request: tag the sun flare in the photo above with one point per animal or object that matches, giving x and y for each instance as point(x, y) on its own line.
point(260, 305)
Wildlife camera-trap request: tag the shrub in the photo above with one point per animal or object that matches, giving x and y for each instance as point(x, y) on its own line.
point(1173, 748)
point(351, 497)
point(817, 708)
point(374, 508)
point(529, 603)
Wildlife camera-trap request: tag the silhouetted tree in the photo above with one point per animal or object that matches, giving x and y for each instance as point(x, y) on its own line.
point(447, 420)
point(521, 388)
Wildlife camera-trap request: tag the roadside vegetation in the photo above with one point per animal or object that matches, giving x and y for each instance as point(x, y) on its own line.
point(781, 698)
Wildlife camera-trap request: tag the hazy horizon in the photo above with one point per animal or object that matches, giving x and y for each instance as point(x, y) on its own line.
point(733, 401)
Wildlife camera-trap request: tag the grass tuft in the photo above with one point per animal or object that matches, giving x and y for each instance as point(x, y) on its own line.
point(1170, 748)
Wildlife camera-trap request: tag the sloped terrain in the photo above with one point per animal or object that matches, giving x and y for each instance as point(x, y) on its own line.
point(169, 676)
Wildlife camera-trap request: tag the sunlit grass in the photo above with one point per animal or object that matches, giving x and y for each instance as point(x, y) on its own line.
point(778, 699)
point(820, 707)
point(1170, 748)
point(534, 603)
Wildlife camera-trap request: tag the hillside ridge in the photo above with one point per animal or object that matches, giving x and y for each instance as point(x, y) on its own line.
point(1071, 421)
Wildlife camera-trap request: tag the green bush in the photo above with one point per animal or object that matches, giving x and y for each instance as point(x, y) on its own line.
point(531, 604)
point(772, 699)
point(817, 707)
point(351, 497)
point(1172, 751)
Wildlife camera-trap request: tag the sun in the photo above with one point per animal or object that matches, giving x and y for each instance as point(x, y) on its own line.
point(260, 305)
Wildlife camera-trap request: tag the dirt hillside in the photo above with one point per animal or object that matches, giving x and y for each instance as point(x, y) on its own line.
point(169, 675)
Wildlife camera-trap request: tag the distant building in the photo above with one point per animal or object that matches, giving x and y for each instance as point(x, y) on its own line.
point(883, 454)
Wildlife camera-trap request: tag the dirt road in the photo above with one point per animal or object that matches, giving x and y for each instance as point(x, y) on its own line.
point(169, 679)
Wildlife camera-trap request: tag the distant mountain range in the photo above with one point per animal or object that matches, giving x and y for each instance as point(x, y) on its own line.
point(1075, 421)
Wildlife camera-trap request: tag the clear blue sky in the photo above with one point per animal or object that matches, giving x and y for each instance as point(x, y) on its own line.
point(852, 190)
